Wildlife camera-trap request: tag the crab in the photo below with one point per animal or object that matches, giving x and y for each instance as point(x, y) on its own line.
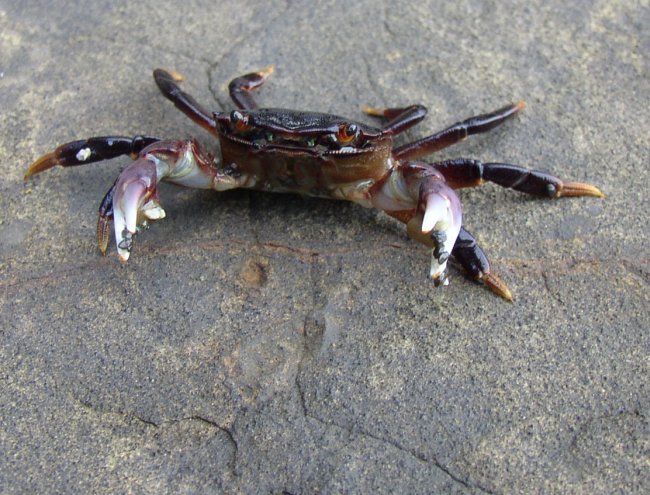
point(315, 154)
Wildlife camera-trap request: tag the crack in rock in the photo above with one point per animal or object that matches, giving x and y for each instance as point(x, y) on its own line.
point(358, 431)
point(168, 422)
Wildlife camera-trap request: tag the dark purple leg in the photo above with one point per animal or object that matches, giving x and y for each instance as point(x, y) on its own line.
point(241, 87)
point(468, 173)
point(399, 119)
point(183, 101)
point(90, 150)
point(472, 258)
point(456, 133)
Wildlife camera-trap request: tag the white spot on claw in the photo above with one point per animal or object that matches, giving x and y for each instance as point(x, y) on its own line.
point(83, 154)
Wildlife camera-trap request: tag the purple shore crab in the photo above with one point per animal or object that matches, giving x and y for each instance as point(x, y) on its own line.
point(317, 154)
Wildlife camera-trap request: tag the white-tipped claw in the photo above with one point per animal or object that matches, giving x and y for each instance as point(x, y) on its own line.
point(124, 245)
point(442, 219)
point(133, 203)
point(436, 212)
point(438, 271)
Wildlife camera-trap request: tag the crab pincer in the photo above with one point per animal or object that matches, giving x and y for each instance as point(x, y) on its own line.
point(135, 201)
point(441, 213)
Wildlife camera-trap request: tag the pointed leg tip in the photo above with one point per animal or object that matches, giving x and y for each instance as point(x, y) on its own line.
point(102, 245)
point(498, 286)
point(43, 163)
point(520, 105)
point(266, 71)
point(176, 76)
point(160, 73)
point(103, 234)
point(572, 189)
point(374, 112)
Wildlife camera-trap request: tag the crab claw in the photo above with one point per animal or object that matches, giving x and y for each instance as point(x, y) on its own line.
point(134, 202)
point(438, 220)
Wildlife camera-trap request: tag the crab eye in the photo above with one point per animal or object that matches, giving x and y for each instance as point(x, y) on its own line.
point(239, 120)
point(347, 132)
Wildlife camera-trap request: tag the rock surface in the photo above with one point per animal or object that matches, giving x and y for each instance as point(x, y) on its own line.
point(265, 343)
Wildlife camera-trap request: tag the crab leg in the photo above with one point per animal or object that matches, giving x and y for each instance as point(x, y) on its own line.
point(469, 173)
point(184, 102)
point(90, 150)
point(470, 255)
point(240, 88)
point(456, 133)
point(399, 119)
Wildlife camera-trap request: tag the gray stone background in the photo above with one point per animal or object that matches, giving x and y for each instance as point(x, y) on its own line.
point(260, 343)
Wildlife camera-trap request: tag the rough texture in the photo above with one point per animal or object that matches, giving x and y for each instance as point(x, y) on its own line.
point(262, 343)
